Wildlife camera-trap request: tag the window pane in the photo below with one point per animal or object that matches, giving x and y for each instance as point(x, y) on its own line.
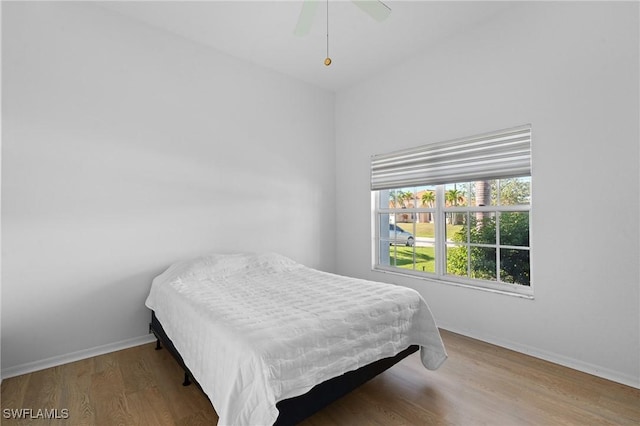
point(404, 257)
point(484, 193)
point(392, 199)
point(426, 196)
point(420, 258)
point(457, 260)
point(470, 193)
point(456, 218)
point(515, 191)
point(401, 229)
point(405, 220)
point(483, 263)
point(456, 227)
point(402, 198)
point(514, 266)
point(425, 257)
point(426, 227)
point(410, 198)
point(514, 229)
point(455, 194)
point(425, 221)
point(483, 228)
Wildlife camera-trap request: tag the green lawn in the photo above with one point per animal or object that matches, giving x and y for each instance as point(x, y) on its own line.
point(424, 258)
point(428, 229)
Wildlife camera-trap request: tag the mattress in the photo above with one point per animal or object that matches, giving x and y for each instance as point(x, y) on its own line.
point(255, 329)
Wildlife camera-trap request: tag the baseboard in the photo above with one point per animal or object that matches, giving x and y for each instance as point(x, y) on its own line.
point(575, 364)
point(30, 367)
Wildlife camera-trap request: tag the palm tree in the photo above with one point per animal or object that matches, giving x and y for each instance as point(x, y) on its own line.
point(483, 198)
point(406, 198)
point(428, 198)
point(453, 197)
point(393, 198)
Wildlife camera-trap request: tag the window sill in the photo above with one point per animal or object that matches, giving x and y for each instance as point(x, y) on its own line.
point(523, 293)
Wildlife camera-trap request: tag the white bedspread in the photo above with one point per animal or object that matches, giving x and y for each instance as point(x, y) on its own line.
point(255, 329)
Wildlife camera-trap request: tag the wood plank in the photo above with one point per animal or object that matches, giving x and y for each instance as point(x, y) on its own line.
point(14, 390)
point(77, 379)
point(136, 370)
point(150, 408)
point(107, 394)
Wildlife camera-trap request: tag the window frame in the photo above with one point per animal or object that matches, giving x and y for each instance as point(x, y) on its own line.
point(439, 212)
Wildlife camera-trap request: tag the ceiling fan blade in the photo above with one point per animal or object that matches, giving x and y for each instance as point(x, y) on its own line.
point(374, 8)
point(307, 13)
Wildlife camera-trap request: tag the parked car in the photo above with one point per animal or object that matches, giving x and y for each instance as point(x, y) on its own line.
point(400, 236)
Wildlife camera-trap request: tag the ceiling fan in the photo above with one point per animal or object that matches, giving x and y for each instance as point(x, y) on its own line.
point(374, 8)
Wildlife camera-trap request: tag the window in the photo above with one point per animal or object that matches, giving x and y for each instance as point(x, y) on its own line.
point(457, 211)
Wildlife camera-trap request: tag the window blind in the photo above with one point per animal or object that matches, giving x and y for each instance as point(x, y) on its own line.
point(501, 154)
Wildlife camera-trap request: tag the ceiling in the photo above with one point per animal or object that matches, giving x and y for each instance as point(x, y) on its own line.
point(262, 32)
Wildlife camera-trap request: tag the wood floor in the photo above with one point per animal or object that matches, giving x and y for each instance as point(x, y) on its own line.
point(479, 384)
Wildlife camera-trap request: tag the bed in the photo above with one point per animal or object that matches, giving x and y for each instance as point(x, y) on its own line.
point(270, 341)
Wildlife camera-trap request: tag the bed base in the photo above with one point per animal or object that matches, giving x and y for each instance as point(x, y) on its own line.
point(294, 410)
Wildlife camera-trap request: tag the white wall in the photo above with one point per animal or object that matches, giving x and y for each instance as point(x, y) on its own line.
point(124, 149)
point(571, 70)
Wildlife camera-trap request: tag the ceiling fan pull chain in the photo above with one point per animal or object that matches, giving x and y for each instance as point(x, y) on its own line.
point(327, 60)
